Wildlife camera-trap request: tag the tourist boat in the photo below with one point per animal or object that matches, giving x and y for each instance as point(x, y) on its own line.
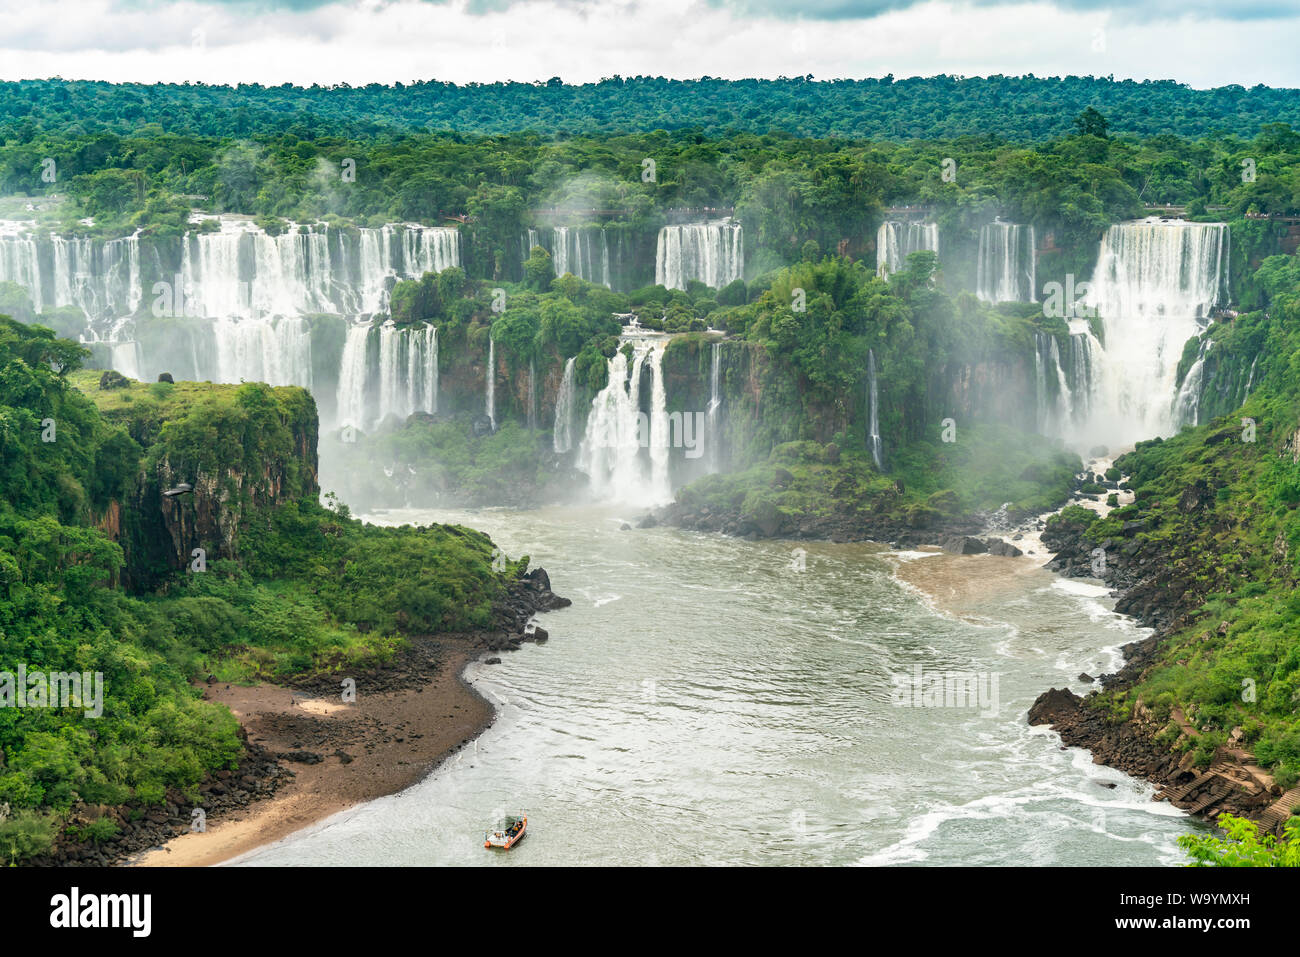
point(507, 833)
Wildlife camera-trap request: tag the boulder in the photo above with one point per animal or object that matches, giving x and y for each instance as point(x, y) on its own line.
point(963, 545)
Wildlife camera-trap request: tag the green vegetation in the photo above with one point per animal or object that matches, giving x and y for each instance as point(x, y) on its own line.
point(90, 579)
point(1243, 846)
point(1217, 511)
point(938, 106)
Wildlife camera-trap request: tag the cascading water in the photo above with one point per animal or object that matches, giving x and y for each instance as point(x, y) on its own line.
point(532, 395)
point(617, 430)
point(387, 371)
point(353, 376)
point(562, 433)
point(896, 241)
point(1007, 267)
point(582, 251)
point(873, 427)
point(712, 253)
point(1187, 403)
point(490, 375)
point(715, 407)
point(1155, 283)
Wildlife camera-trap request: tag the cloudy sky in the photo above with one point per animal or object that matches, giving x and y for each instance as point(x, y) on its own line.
point(1199, 42)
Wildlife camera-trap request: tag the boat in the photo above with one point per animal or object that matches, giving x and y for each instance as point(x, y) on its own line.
point(506, 833)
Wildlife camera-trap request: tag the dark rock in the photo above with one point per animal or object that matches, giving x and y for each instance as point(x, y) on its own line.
point(112, 379)
point(302, 757)
point(1085, 677)
point(963, 545)
point(1053, 706)
point(493, 661)
point(782, 478)
point(997, 546)
point(165, 377)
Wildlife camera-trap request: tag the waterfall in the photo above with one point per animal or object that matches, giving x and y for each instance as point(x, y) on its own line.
point(659, 437)
point(490, 374)
point(398, 377)
point(562, 433)
point(896, 241)
point(715, 405)
point(353, 369)
point(20, 263)
point(1155, 282)
point(100, 277)
point(1250, 378)
point(1007, 266)
point(709, 252)
point(873, 433)
point(617, 430)
point(580, 250)
point(431, 377)
point(277, 352)
point(1187, 403)
point(532, 396)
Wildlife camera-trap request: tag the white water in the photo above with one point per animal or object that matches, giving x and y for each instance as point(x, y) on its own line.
point(709, 252)
point(576, 250)
point(562, 432)
point(397, 377)
point(896, 241)
point(1187, 404)
point(714, 413)
point(617, 430)
point(1007, 268)
point(873, 434)
point(1154, 286)
point(100, 277)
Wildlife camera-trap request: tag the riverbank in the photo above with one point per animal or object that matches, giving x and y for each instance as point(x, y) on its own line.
point(341, 754)
point(315, 755)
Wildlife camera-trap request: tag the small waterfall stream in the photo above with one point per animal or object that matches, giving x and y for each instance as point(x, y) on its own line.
point(562, 432)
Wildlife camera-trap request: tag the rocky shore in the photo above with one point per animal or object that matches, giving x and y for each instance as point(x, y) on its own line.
point(307, 751)
point(1160, 595)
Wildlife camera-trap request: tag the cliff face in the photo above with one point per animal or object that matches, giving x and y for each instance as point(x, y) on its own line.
point(241, 448)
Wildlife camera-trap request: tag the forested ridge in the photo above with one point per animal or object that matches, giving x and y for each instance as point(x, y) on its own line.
point(1024, 108)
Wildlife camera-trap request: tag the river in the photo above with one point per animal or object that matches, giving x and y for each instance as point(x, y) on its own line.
point(709, 700)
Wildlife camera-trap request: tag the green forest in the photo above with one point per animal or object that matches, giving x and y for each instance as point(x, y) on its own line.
point(91, 581)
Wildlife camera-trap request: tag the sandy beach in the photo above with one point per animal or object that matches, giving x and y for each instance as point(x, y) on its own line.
point(377, 746)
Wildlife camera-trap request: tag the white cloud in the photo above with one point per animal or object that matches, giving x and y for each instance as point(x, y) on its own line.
point(363, 41)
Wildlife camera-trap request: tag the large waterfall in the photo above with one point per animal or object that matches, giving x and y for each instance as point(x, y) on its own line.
point(562, 433)
point(244, 296)
point(1154, 286)
point(618, 431)
point(387, 371)
point(243, 271)
point(1007, 267)
point(100, 277)
point(710, 252)
point(896, 241)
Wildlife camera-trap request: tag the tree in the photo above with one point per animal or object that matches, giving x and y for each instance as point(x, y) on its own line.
point(1243, 846)
point(1091, 123)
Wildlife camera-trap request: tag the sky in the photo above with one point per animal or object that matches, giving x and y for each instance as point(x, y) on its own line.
point(1202, 43)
